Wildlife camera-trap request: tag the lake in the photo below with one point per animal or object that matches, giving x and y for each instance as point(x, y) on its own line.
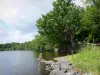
point(18, 63)
point(21, 62)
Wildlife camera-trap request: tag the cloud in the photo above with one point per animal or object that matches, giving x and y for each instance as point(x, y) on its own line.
point(18, 19)
point(79, 2)
point(16, 36)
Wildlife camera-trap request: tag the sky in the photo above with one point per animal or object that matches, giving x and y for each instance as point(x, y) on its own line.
point(18, 18)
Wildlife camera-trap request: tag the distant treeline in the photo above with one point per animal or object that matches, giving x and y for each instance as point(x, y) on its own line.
point(16, 46)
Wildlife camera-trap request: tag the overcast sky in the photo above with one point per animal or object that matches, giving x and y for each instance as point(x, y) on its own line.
point(18, 18)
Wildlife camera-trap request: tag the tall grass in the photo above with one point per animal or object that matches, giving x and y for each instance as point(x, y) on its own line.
point(87, 60)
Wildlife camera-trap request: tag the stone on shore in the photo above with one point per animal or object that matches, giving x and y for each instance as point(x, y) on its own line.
point(62, 67)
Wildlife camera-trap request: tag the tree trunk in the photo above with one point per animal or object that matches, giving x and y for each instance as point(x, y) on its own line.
point(64, 47)
point(74, 44)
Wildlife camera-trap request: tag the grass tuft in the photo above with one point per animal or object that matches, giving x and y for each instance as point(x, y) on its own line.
point(87, 60)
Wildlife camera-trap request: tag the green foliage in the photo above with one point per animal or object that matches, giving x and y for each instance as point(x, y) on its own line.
point(95, 3)
point(62, 23)
point(42, 43)
point(92, 20)
point(16, 46)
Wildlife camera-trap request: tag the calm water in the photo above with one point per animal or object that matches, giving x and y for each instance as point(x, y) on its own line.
point(21, 62)
point(50, 55)
point(18, 63)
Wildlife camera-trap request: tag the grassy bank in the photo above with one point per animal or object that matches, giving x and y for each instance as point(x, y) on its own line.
point(87, 60)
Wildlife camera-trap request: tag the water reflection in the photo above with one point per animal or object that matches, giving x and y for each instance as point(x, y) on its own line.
point(49, 55)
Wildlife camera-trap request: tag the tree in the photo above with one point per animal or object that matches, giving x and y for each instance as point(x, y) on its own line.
point(92, 20)
point(61, 24)
point(41, 43)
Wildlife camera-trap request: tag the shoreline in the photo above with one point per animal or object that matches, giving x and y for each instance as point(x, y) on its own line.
point(61, 67)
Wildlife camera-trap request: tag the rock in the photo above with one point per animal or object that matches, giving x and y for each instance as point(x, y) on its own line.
point(41, 67)
point(88, 74)
point(48, 62)
point(72, 72)
point(55, 65)
point(40, 57)
point(53, 72)
point(57, 72)
point(65, 65)
point(62, 67)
